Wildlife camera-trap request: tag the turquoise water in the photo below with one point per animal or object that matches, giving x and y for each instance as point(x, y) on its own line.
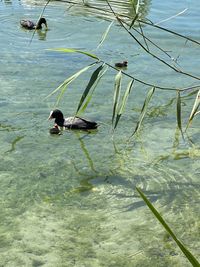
point(70, 200)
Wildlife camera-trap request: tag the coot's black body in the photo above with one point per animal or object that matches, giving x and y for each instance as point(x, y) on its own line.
point(123, 64)
point(71, 122)
point(30, 25)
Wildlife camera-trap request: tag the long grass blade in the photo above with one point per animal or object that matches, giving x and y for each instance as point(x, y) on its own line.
point(70, 79)
point(117, 90)
point(59, 97)
point(186, 252)
point(144, 109)
point(72, 50)
point(194, 109)
point(38, 20)
point(136, 9)
point(123, 102)
point(172, 17)
point(178, 111)
point(105, 35)
point(133, 21)
point(90, 84)
point(89, 97)
point(87, 101)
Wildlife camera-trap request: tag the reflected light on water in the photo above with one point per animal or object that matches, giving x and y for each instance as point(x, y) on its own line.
point(70, 200)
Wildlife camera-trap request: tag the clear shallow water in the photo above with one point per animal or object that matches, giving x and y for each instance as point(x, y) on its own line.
point(70, 200)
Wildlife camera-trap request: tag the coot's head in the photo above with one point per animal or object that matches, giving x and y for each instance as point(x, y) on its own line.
point(58, 116)
point(125, 63)
point(56, 113)
point(40, 22)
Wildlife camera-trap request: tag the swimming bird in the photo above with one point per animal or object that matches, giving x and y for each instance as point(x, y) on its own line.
point(71, 122)
point(54, 130)
point(30, 25)
point(123, 64)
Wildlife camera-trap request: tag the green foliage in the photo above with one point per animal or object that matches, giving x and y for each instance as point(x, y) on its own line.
point(136, 10)
point(194, 109)
point(71, 50)
point(144, 109)
point(178, 112)
point(122, 105)
point(88, 92)
point(105, 35)
point(119, 103)
point(116, 97)
point(62, 88)
point(186, 252)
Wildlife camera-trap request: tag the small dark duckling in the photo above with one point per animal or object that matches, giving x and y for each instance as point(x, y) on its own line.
point(54, 130)
point(30, 25)
point(71, 122)
point(123, 64)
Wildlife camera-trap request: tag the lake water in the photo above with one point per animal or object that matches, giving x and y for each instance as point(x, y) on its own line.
point(70, 200)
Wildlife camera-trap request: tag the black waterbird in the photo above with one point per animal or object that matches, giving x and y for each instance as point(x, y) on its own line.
point(30, 25)
point(72, 122)
point(123, 64)
point(54, 130)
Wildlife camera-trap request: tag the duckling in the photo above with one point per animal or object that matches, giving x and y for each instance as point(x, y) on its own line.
point(123, 64)
point(54, 130)
point(71, 122)
point(30, 25)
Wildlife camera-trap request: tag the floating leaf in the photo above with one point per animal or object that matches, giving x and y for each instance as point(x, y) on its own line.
point(117, 90)
point(105, 35)
point(72, 50)
point(123, 103)
point(194, 109)
point(144, 109)
point(90, 84)
point(70, 79)
point(187, 253)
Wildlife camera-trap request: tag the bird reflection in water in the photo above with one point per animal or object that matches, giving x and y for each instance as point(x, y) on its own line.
point(85, 183)
point(42, 34)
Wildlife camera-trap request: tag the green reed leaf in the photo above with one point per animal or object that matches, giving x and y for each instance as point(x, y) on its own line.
point(136, 9)
point(105, 35)
point(89, 86)
point(186, 252)
point(123, 102)
point(72, 50)
point(178, 111)
point(89, 97)
point(133, 21)
point(87, 101)
point(70, 79)
point(144, 109)
point(117, 89)
point(194, 109)
point(59, 97)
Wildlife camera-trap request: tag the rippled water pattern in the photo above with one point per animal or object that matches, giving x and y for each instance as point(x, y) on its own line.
point(70, 200)
point(101, 9)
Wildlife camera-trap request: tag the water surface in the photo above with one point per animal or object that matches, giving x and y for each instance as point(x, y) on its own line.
point(70, 200)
